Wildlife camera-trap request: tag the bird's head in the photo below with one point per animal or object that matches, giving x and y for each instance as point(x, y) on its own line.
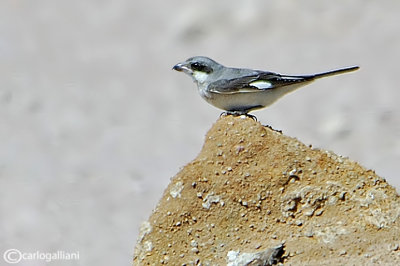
point(198, 67)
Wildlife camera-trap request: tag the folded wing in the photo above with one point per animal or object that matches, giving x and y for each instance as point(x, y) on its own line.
point(255, 83)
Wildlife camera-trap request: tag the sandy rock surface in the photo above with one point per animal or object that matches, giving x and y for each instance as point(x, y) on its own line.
point(252, 190)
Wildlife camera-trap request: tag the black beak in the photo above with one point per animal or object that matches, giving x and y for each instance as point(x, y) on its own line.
point(178, 67)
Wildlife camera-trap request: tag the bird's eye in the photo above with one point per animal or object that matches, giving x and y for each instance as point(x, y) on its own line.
point(200, 67)
point(196, 66)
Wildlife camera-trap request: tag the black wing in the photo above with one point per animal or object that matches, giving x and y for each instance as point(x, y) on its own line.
point(255, 82)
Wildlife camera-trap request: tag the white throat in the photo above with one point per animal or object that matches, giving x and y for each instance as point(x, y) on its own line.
point(200, 77)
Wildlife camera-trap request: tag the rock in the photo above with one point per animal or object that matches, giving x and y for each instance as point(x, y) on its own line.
point(266, 257)
point(251, 189)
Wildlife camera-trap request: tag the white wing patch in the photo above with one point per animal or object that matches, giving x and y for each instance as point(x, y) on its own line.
point(261, 84)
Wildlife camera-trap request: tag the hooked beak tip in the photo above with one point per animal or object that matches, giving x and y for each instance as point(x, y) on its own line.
point(177, 67)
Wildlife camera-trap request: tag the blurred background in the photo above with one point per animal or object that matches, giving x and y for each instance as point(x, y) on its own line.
point(94, 123)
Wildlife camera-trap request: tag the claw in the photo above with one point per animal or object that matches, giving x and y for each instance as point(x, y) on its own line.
point(236, 113)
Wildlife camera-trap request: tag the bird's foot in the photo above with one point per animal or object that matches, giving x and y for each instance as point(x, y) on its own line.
point(237, 113)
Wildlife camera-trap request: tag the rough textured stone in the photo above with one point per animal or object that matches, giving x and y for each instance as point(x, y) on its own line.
point(252, 189)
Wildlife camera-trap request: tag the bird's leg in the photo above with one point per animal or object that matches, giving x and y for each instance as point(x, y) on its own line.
point(251, 116)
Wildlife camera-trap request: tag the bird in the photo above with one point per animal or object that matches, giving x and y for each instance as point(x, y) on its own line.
point(239, 91)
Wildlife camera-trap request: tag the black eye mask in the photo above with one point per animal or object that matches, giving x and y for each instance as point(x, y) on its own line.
point(200, 67)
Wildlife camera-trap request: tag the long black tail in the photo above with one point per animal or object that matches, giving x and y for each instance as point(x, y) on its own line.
point(335, 72)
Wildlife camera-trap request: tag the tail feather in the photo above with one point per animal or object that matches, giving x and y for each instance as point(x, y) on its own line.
point(335, 72)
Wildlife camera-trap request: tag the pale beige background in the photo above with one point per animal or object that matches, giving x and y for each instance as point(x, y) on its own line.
point(93, 121)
